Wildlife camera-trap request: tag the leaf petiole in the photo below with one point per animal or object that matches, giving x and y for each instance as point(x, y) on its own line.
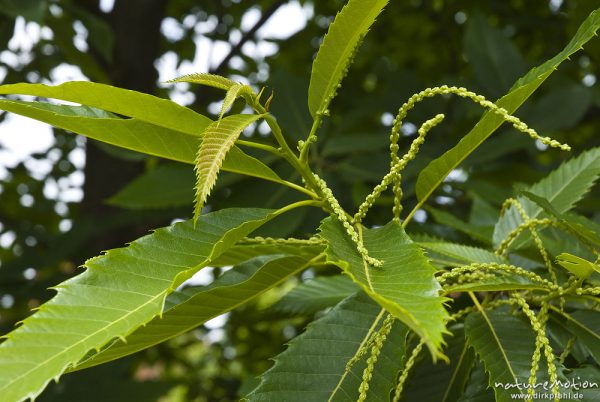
point(257, 145)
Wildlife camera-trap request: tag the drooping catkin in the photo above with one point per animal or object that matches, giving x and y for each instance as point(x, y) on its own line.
point(534, 234)
point(456, 273)
point(542, 344)
point(464, 93)
point(379, 339)
point(407, 367)
point(428, 93)
point(395, 172)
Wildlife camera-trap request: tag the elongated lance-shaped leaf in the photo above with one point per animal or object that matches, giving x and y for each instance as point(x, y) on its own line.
point(562, 188)
point(506, 356)
point(141, 106)
point(193, 306)
point(232, 94)
point(442, 382)
point(119, 291)
point(335, 54)
point(217, 140)
point(316, 294)
point(405, 285)
point(587, 230)
point(242, 252)
point(434, 174)
point(210, 80)
point(313, 367)
point(453, 254)
point(134, 134)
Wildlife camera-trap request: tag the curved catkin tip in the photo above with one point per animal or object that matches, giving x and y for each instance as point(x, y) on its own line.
point(434, 121)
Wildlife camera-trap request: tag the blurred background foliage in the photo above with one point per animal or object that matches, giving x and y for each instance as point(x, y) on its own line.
point(56, 211)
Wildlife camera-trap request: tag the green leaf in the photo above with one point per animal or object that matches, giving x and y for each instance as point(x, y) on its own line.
point(134, 134)
point(457, 254)
point(405, 285)
point(337, 50)
point(495, 60)
point(316, 294)
point(119, 291)
point(211, 80)
point(434, 174)
point(507, 358)
point(160, 112)
point(562, 188)
point(582, 227)
point(242, 252)
point(442, 382)
point(567, 184)
point(236, 161)
point(217, 139)
point(581, 267)
point(313, 366)
point(176, 184)
point(131, 133)
point(585, 324)
point(192, 306)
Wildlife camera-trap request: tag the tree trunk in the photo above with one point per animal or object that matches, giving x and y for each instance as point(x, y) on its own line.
point(136, 26)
